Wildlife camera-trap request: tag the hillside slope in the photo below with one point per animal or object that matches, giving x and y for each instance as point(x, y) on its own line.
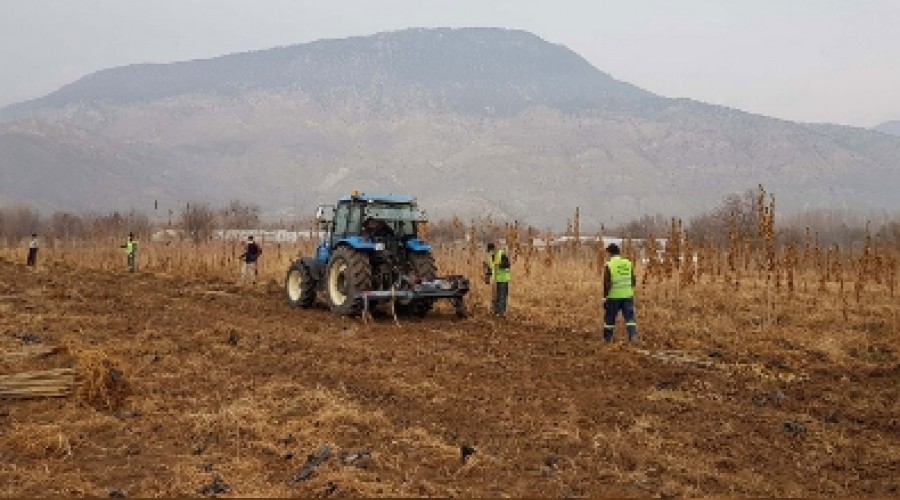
point(472, 121)
point(891, 127)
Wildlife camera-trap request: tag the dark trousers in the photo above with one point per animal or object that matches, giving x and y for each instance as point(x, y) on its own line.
point(612, 308)
point(501, 297)
point(32, 257)
point(131, 263)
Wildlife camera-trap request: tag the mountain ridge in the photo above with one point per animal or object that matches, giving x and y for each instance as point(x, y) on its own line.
point(890, 127)
point(321, 67)
point(471, 121)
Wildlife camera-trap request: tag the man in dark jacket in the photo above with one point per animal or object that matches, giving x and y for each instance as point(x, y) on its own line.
point(251, 254)
point(32, 251)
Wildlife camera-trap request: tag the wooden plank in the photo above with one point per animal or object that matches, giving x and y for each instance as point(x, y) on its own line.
point(58, 382)
point(30, 351)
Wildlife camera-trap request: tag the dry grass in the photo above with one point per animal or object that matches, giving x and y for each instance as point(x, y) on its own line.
point(566, 294)
point(187, 375)
point(103, 381)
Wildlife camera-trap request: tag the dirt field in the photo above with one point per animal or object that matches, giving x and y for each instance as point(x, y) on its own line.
point(221, 389)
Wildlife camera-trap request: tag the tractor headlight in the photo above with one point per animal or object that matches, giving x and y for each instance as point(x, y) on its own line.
point(379, 246)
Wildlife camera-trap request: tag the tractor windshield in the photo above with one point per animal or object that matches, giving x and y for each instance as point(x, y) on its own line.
point(401, 218)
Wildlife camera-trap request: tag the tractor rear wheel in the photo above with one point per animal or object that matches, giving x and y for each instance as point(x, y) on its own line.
point(419, 308)
point(299, 286)
point(421, 265)
point(349, 274)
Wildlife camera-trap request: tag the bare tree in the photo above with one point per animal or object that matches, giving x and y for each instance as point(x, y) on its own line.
point(647, 226)
point(198, 221)
point(240, 216)
point(713, 226)
point(106, 225)
point(19, 222)
point(65, 225)
point(138, 223)
point(891, 233)
point(446, 230)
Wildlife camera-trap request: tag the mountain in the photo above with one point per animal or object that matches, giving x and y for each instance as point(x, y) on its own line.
point(891, 127)
point(480, 71)
point(472, 121)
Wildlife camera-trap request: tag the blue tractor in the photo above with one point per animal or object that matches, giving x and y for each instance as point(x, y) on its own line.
point(370, 253)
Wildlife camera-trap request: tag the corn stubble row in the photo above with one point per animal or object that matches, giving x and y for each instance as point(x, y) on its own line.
point(674, 263)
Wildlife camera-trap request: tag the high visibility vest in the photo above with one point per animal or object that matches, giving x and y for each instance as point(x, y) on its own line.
point(500, 275)
point(130, 247)
point(620, 270)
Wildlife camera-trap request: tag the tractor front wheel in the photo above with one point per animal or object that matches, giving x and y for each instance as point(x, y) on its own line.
point(349, 274)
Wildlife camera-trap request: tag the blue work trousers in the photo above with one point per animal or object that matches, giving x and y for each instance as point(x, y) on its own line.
point(611, 310)
point(501, 297)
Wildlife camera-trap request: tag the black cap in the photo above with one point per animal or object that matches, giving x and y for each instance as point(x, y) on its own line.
point(491, 246)
point(612, 248)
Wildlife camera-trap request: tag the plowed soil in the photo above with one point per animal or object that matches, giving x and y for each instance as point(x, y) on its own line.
point(225, 390)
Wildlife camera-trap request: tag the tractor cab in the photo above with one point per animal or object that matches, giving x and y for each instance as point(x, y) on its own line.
point(397, 214)
point(371, 223)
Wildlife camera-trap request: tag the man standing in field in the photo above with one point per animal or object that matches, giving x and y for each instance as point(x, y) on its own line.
point(251, 254)
point(497, 269)
point(32, 251)
point(618, 293)
point(130, 247)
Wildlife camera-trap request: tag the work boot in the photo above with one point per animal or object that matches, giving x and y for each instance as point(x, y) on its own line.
point(632, 334)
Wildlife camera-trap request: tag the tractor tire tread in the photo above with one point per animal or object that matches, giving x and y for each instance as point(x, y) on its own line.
point(359, 274)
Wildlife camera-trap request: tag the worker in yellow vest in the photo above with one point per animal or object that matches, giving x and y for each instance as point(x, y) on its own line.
point(497, 266)
point(618, 293)
point(130, 247)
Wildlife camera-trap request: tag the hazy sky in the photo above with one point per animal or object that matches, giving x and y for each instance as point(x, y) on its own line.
point(803, 60)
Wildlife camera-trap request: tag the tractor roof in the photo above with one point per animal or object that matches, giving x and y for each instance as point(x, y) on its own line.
point(383, 198)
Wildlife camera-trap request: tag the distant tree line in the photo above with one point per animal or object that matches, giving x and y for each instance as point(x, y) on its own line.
point(830, 226)
point(198, 220)
point(20, 222)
